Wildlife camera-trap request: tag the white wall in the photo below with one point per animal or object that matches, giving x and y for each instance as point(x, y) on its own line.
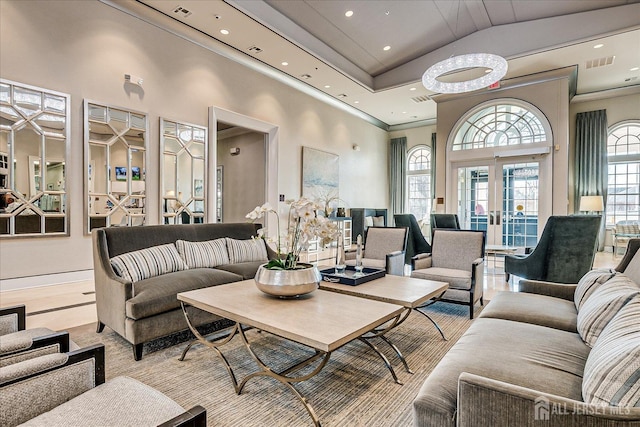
point(84, 48)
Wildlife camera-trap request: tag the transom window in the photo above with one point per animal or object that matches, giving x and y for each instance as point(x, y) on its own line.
point(498, 126)
point(419, 182)
point(623, 192)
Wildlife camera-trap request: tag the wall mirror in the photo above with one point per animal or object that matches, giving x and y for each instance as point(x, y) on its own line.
point(34, 144)
point(183, 171)
point(115, 156)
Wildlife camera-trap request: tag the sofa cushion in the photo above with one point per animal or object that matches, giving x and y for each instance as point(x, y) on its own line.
point(246, 250)
point(158, 294)
point(536, 309)
point(211, 253)
point(145, 263)
point(633, 268)
point(589, 282)
point(612, 371)
point(603, 304)
point(457, 279)
point(532, 356)
point(245, 269)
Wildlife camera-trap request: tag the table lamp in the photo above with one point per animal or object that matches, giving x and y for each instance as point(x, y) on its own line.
point(591, 204)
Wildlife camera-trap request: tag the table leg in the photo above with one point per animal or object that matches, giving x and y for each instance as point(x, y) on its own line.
point(433, 301)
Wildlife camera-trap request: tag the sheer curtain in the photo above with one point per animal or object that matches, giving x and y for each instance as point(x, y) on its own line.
point(591, 167)
point(397, 174)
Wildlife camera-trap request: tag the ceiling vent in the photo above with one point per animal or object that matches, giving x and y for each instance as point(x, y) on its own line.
point(421, 98)
point(600, 62)
point(342, 95)
point(254, 49)
point(182, 11)
point(305, 76)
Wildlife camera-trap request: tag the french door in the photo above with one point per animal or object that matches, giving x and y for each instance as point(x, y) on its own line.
point(509, 198)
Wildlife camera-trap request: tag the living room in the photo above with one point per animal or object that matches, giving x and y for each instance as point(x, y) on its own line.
point(84, 50)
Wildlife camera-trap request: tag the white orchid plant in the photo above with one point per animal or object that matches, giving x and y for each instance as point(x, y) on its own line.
point(303, 225)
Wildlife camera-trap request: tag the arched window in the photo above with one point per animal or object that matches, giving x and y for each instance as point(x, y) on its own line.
point(499, 125)
point(419, 182)
point(623, 192)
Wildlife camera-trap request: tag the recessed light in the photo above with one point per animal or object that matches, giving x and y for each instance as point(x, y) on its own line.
point(598, 46)
point(404, 112)
point(386, 48)
point(348, 13)
point(285, 63)
point(327, 86)
point(634, 69)
point(356, 102)
point(413, 88)
point(225, 32)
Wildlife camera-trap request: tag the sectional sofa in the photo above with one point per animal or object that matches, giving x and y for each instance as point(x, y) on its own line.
point(139, 271)
point(552, 354)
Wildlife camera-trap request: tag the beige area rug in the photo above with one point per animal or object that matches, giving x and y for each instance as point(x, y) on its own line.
point(354, 389)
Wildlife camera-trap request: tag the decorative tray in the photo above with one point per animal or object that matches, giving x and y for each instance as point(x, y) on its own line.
point(349, 278)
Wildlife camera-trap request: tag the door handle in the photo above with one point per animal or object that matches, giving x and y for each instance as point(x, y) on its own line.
point(490, 217)
point(498, 216)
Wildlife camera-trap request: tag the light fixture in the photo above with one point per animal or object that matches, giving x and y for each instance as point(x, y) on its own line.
point(413, 88)
point(285, 63)
point(225, 32)
point(356, 102)
point(386, 48)
point(356, 147)
point(497, 64)
point(598, 46)
point(327, 86)
point(591, 203)
point(135, 80)
point(634, 69)
point(348, 13)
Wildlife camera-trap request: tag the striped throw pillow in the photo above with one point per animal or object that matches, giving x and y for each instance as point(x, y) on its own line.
point(602, 305)
point(211, 253)
point(246, 250)
point(612, 372)
point(139, 265)
point(589, 283)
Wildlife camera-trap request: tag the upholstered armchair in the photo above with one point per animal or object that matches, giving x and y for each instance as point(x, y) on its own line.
point(18, 343)
point(385, 249)
point(450, 221)
point(457, 257)
point(416, 243)
point(623, 232)
point(563, 254)
point(70, 389)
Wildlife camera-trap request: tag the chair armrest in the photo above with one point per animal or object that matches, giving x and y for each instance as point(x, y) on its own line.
point(477, 277)
point(557, 290)
point(19, 313)
point(395, 263)
point(421, 261)
point(632, 248)
point(487, 402)
point(22, 341)
point(194, 417)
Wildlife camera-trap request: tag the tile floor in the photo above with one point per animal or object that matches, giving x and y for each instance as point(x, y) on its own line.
point(64, 306)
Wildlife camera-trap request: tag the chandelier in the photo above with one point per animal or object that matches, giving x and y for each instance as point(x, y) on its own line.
point(495, 63)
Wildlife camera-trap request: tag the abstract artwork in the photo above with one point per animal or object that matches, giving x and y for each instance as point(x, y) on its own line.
point(320, 173)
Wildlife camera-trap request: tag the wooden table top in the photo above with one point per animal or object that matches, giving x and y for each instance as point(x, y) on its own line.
point(405, 291)
point(322, 320)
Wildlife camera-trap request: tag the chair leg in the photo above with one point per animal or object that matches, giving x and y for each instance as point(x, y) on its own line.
point(482, 300)
point(471, 307)
point(137, 351)
point(100, 327)
point(506, 277)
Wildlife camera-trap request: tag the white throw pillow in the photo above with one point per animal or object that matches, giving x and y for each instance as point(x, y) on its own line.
point(612, 371)
point(246, 250)
point(145, 263)
point(211, 253)
point(603, 304)
point(378, 221)
point(368, 221)
point(589, 283)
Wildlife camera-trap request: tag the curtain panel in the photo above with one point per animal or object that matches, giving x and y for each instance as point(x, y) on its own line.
point(433, 172)
point(591, 165)
point(397, 174)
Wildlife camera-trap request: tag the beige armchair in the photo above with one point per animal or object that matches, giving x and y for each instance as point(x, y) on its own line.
point(457, 257)
point(385, 249)
point(623, 232)
point(70, 389)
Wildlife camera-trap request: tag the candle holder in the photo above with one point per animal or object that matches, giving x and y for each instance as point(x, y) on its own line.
point(358, 266)
point(341, 263)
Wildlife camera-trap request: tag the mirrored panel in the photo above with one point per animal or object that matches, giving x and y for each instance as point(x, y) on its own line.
point(116, 148)
point(183, 163)
point(34, 146)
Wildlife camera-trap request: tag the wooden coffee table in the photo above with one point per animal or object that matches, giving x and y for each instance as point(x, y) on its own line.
point(322, 320)
point(411, 293)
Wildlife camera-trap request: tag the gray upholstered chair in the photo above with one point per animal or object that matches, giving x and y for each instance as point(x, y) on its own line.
point(18, 343)
point(457, 257)
point(563, 254)
point(416, 243)
point(445, 221)
point(385, 249)
point(70, 389)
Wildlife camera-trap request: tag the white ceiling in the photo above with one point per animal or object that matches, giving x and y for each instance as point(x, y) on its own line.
point(324, 48)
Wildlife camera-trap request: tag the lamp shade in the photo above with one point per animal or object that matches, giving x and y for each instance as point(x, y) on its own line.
point(591, 203)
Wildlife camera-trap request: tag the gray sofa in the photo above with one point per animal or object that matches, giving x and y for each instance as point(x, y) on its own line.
point(524, 362)
point(148, 309)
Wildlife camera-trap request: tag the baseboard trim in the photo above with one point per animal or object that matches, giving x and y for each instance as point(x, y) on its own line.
point(45, 280)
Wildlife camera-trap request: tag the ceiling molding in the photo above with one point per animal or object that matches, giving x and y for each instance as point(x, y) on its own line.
point(418, 124)
point(609, 93)
point(166, 23)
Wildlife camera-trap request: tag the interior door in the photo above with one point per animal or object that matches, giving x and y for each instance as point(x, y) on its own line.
point(506, 197)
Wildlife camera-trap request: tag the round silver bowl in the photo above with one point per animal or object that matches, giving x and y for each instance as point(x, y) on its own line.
point(288, 283)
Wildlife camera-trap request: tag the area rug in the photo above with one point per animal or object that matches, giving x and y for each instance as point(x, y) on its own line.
point(354, 388)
